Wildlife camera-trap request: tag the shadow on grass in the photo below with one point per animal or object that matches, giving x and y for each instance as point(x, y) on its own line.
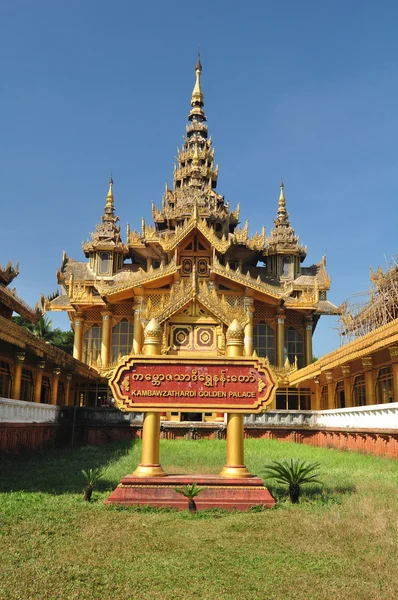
point(313, 494)
point(60, 471)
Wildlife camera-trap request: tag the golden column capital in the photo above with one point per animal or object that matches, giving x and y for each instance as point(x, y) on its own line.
point(235, 339)
point(20, 357)
point(153, 338)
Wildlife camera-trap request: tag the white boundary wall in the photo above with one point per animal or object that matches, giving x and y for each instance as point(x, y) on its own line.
point(377, 416)
point(18, 411)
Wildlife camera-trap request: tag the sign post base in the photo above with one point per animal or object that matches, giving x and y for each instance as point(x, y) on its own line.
point(219, 492)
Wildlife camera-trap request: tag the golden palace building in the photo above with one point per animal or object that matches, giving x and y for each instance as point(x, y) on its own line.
point(32, 370)
point(195, 270)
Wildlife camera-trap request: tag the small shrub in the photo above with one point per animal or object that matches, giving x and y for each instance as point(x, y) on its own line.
point(293, 473)
point(190, 492)
point(92, 477)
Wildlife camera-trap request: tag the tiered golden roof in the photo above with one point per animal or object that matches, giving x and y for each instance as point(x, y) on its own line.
point(196, 250)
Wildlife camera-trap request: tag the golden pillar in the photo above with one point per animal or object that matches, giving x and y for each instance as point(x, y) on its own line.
point(317, 395)
point(308, 340)
point(54, 391)
point(331, 389)
point(345, 369)
point(67, 389)
point(106, 338)
point(248, 340)
point(150, 465)
point(16, 384)
point(394, 356)
point(280, 338)
point(39, 379)
point(367, 364)
point(235, 465)
point(137, 331)
point(78, 338)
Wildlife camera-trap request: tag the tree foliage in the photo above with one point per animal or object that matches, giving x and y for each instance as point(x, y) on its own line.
point(43, 329)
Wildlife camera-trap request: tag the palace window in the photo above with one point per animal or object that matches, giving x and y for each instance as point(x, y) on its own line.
point(26, 386)
point(294, 347)
point(45, 396)
point(92, 344)
point(384, 386)
point(122, 339)
point(293, 399)
point(324, 398)
point(340, 395)
point(264, 341)
point(104, 262)
point(5, 380)
point(286, 269)
point(61, 393)
point(359, 391)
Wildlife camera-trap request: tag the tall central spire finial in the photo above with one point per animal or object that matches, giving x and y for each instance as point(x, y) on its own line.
point(198, 64)
point(197, 94)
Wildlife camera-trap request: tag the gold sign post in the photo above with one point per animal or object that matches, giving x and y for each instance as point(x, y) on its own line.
point(152, 383)
point(235, 466)
point(150, 465)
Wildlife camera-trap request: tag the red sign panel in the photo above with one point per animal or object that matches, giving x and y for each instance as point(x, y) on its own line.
point(227, 385)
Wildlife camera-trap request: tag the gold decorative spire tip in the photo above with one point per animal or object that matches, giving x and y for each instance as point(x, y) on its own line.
point(110, 191)
point(282, 195)
point(198, 66)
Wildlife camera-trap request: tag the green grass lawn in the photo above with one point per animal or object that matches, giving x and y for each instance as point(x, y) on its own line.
point(339, 542)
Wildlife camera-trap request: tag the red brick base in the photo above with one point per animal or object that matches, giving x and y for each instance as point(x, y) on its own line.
point(218, 492)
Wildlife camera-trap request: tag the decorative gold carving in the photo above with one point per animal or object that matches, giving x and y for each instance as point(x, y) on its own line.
point(235, 334)
point(153, 332)
point(367, 362)
point(137, 279)
point(248, 281)
point(393, 351)
point(346, 370)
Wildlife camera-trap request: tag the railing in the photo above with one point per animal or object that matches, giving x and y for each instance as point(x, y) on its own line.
point(18, 411)
point(377, 416)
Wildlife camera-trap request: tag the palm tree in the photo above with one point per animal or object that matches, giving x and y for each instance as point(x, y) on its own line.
point(44, 329)
point(92, 476)
point(294, 473)
point(190, 492)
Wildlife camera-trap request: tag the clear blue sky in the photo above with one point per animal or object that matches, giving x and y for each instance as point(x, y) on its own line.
point(306, 90)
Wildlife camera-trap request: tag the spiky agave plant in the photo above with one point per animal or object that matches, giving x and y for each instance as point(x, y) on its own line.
point(294, 473)
point(190, 492)
point(92, 477)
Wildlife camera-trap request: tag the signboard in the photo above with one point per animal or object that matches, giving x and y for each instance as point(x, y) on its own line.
point(237, 385)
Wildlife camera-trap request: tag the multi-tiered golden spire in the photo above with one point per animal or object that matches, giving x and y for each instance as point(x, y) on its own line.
point(283, 239)
point(196, 158)
point(107, 232)
point(195, 176)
